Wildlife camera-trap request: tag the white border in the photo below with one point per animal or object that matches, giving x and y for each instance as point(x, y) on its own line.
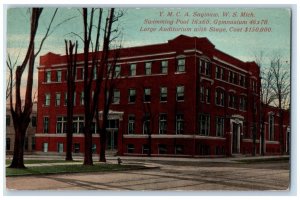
point(193, 195)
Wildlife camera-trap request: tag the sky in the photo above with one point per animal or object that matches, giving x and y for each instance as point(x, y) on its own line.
point(270, 33)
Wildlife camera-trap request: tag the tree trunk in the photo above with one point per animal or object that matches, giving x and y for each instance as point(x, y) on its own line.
point(103, 145)
point(18, 155)
point(88, 155)
point(281, 132)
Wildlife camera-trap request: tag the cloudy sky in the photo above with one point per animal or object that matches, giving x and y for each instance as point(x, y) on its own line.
point(267, 29)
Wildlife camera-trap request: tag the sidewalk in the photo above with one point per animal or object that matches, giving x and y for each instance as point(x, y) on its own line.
point(146, 161)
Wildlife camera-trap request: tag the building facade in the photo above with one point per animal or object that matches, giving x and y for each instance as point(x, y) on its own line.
point(30, 134)
point(180, 98)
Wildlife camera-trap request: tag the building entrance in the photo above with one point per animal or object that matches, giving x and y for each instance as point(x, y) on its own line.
point(235, 133)
point(112, 134)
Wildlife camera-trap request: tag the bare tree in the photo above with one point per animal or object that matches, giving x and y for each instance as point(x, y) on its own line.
point(99, 62)
point(10, 79)
point(21, 113)
point(71, 51)
point(281, 90)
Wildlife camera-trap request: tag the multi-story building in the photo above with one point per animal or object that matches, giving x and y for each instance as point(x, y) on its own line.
point(30, 134)
point(184, 97)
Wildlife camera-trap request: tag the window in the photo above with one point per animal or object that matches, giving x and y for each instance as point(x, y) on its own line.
point(94, 128)
point(48, 76)
point(271, 126)
point(232, 101)
point(230, 77)
point(162, 123)
point(148, 66)
point(60, 147)
point(145, 149)
point(164, 67)
point(116, 97)
point(132, 96)
point(220, 73)
point(205, 67)
point(207, 95)
point(74, 99)
point(131, 124)
point(7, 120)
point(181, 65)
point(204, 94)
point(204, 124)
point(163, 94)
point(66, 99)
point(95, 73)
point(147, 95)
point(162, 149)
point(117, 71)
point(76, 148)
point(79, 75)
point(242, 81)
point(178, 149)
point(179, 124)
point(130, 148)
point(235, 78)
point(78, 124)
point(45, 147)
point(57, 99)
point(180, 93)
point(146, 124)
point(58, 76)
point(7, 144)
point(33, 121)
point(61, 125)
point(243, 103)
point(220, 97)
point(46, 124)
point(47, 99)
point(219, 126)
point(94, 148)
point(82, 98)
point(132, 70)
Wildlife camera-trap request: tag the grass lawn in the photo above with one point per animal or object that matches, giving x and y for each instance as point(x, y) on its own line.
point(41, 161)
point(56, 169)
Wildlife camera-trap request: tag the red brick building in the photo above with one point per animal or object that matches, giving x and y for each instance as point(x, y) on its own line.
point(180, 98)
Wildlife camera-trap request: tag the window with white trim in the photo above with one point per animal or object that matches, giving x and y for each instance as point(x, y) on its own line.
point(132, 95)
point(131, 124)
point(179, 124)
point(180, 65)
point(162, 149)
point(117, 71)
point(164, 67)
point(58, 75)
point(145, 149)
point(219, 97)
point(220, 126)
point(243, 103)
point(57, 99)
point(78, 124)
point(82, 98)
point(148, 67)
point(46, 124)
point(232, 100)
point(47, 99)
point(163, 123)
point(116, 97)
point(179, 149)
point(132, 70)
point(180, 93)
point(146, 124)
point(204, 124)
point(205, 67)
point(147, 95)
point(61, 125)
point(48, 76)
point(163, 94)
point(130, 148)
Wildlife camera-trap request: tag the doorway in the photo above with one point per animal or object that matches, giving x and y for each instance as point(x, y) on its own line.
point(235, 134)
